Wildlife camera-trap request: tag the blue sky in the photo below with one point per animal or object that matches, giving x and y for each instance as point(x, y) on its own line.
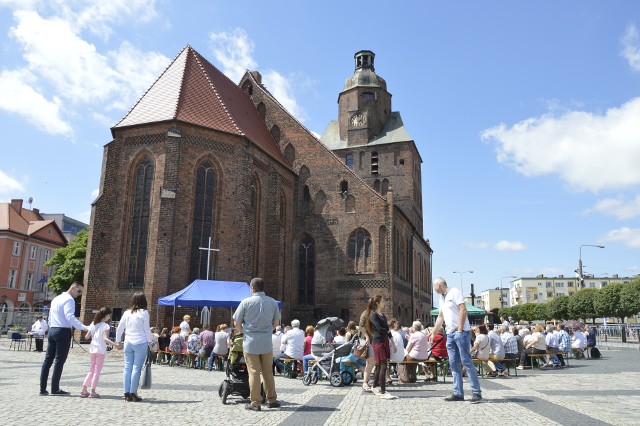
point(526, 114)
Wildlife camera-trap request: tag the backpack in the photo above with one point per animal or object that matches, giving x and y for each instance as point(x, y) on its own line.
point(595, 353)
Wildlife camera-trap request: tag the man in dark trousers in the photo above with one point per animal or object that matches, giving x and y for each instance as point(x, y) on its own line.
point(61, 324)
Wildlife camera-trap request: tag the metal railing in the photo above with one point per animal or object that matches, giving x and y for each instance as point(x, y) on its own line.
point(618, 333)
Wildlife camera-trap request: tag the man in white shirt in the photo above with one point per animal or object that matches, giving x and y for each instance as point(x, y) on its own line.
point(453, 312)
point(293, 343)
point(61, 323)
point(38, 330)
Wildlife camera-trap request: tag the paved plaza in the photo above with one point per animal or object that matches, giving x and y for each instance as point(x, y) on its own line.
point(590, 392)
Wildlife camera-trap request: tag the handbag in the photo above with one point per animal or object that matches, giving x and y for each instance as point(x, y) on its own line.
point(146, 373)
point(361, 350)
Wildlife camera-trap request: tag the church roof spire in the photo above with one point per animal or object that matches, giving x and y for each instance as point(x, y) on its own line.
point(194, 91)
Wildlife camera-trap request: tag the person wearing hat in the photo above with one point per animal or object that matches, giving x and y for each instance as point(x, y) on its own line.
point(185, 328)
point(38, 330)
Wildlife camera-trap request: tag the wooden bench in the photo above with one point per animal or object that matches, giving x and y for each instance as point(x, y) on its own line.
point(289, 367)
point(443, 365)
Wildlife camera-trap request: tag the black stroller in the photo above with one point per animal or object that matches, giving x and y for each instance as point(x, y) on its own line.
point(237, 376)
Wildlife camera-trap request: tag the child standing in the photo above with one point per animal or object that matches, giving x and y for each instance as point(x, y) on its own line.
point(99, 332)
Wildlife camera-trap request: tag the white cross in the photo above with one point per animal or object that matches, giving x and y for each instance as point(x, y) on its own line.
point(209, 250)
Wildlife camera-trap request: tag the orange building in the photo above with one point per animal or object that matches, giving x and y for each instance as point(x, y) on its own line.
point(27, 241)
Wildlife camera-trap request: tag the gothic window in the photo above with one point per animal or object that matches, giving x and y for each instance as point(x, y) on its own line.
point(376, 185)
point(306, 271)
point(306, 199)
point(275, 132)
point(344, 187)
point(359, 248)
point(385, 187)
point(349, 161)
point(203, 219)
point(262, 110)
point(247, 87)
point(290, 153)
point(382, 249)
point(319, 202)
point(350, 204)
point(139, 228)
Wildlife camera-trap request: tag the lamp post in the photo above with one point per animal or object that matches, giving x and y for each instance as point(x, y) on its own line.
point(462, 273)
point(502, 289)
point(579, 271)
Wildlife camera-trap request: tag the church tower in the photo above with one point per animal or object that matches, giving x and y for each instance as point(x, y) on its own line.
point(372, 140)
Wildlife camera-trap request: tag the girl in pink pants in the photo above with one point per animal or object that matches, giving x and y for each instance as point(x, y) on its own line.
point(99, 332)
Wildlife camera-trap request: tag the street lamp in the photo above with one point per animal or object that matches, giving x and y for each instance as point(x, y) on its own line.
point(579, 271)
point(502, 290)
point(462, 273)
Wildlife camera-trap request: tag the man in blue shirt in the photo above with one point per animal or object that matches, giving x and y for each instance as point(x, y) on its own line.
point(256, 317)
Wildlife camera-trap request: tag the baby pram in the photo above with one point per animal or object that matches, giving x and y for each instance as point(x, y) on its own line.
point(236, 381)
point(327, 365)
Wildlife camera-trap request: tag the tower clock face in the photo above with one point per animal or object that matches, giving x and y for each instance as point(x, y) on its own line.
point(358, 120)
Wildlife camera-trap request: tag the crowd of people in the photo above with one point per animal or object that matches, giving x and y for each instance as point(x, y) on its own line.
point(266, 345)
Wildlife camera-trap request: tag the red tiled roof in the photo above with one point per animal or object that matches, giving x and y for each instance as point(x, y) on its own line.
point(194, 91)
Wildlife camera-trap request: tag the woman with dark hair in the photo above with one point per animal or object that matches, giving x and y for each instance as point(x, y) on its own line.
point(135, 324)
point(378, 328)
point(163, 344)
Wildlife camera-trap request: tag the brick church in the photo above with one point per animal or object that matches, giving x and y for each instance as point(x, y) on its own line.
point(326, 222)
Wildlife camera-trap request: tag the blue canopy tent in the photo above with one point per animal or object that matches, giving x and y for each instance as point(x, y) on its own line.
point(211, 293)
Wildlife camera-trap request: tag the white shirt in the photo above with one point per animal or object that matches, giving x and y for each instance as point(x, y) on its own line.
point(61, 314)
point(185, 329)
point(39, 327)
point(451, 311)
point(294, 341)
point(136, 327)
point(221, 347)
point(578, 341)
point(98, 345)
point(497, 347)
point(399, 355)
point(339, 339)
point(276, 341)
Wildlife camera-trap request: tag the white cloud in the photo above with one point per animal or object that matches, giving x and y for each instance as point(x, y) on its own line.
point(280, 88)
point(618, 207)
point(19, 97)
point(9, 185)
point(502, 245)
point(631, 47)
point(505, 245)
point(628, 236)
point(589, 152)
point(234, 51)
point(95, 193)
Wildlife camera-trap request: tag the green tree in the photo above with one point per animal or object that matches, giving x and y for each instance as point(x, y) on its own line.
point(69, 263)
point(541, 311)
point(607, 301)
point(559, 308)
point(527, 312)
point(514, 312)
point(630, 299)
point(581, 304)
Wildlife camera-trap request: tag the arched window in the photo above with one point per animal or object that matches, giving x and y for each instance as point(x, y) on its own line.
point(306, 271)
point(247, 87)
point(344, 187)
point(139, 231)
point(350, 204)
point(319, 202)
point(376, 185)
point(349, 161)
point(382, 249)
point(359, 248)
point(385, 187)
point(306, 199)
point(275, 132)
point(290, 154)
point(203, 219)
point(262, 110)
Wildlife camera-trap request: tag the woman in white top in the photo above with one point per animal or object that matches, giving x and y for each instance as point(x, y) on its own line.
point(221, 346)
point(135, 324)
